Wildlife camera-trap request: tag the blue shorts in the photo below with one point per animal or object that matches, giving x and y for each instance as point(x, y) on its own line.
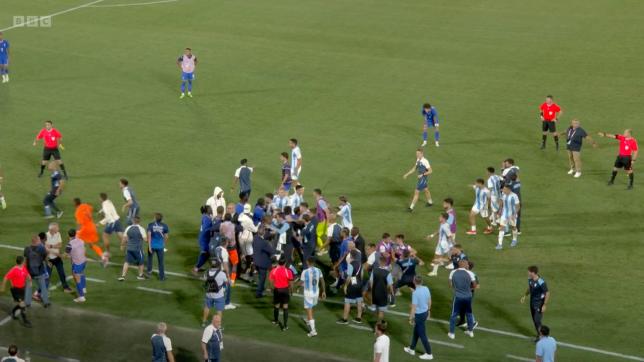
point(218, 303)
point(4, 60)
point(113, 227)
point(422, 184)
point(287, 186)
point(187, 76)
point(134, 257)
point(352, 301)
point(78, 268)
point(432, 124)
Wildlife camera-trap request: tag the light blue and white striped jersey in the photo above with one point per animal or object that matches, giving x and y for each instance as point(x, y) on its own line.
point(345, 214)
point(444, 233)
point(422, 165)
point(295, 155)
point(480, 198)
point(510, 204)
point(494, 185)
point(295, 200)
point(311, 279)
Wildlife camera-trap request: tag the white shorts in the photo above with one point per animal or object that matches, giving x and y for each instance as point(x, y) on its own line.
point(295, 174)
point(503, 221)
point(484, 213)
point(247, 247)
point(494, 204)
point(442, 248)
point(310, 300)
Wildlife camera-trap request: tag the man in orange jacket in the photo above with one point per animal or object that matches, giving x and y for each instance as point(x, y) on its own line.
point(86, 228)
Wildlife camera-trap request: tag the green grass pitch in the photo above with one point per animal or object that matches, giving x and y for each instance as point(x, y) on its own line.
point(347, 78)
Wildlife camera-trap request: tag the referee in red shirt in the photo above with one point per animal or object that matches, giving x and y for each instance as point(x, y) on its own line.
point(18, 277)
point(52, 139)
point(627, 155)
point(281, 277)
point(550, 112)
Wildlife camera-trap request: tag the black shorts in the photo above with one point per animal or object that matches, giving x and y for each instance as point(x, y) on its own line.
point(623, 162)
point(281, 296)
point(549, 126)
point(18, 294)
point(48, 153)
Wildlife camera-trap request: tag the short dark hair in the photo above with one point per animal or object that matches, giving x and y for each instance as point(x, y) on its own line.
point(480, 181)
point(545, 330)
point(220, 210)
point(342, 198)
point(294, 140)
point(445, 215)
point(306, 217)
point(12, 350)
point(42, 236)
point(189, 49)
point(533, 269)
point(418, 280)
point(310, 260)
point(305, 204)
point(385, 235)
point(400, 236)
point(285, 155)
point(72, 233)
point(510, 161)
point(381, 326)
point(299, 187)
point(372, 245)
point(355, 230)
point(158, 216)
point(124, 181)
point(282, 261)
point(77, 201)
point(243, 161)
point(449, 200)
point(550, 96)
point(228, 217)
point(269, 195)
point(103, 196)
point(406, 253)
point(261, 201)
point(427, 106)
point(49, 121)
point(318, 191)
point(490, 169)
point(20, 259)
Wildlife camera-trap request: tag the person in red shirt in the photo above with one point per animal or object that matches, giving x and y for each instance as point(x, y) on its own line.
point(550, 112)
point(281, 277)
point(52, 139)
point(626, 157)
point(18, 276)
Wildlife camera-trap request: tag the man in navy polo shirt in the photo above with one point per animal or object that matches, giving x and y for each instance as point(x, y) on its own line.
point(539, 296)
point(462, 281)
point(157, 237)
point(242, 175)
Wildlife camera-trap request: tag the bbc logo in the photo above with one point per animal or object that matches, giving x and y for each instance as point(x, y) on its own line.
point(32, 21)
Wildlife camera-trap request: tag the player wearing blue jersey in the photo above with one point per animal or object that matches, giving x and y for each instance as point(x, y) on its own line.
point(344, 212)
point(430, 115)
point(423, 169)
point(4, 59)
point(187, 63)
point(480, 207)
point(313, 283)
point(508, 213)
point(285, 181)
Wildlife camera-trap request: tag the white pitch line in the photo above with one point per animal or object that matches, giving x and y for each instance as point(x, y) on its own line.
point(35, 20)
point(5, 321)
point(159, 291)
point(489, 330)
point(511, 356)
point(95, 280)
point(448, 344)
point(134, 4)
point(362, 328)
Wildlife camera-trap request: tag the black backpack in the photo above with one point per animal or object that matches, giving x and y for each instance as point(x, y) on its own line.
point(211, 284)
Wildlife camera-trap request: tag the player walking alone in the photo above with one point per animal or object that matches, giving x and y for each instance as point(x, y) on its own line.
point(4, 59)
point(187, 63)
point(627, 155)
point(423, 169)
point(52, 140)
point(550, 113)
point(430, 115)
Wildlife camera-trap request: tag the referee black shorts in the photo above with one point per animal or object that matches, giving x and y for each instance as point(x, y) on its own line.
point(48, 153)
point(549, 126)
point(281, 296)
point(623, 162)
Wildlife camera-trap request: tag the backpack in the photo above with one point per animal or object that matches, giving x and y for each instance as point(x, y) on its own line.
point(211, 284)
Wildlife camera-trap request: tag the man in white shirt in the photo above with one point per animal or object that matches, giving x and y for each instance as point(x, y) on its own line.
point(381, 347)
point(112, 222)
point(212, 341)
point(53, 244)
point(161, 345)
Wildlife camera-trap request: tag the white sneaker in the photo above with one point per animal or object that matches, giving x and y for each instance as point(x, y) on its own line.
point(451, 335)
point(432, 274)
point(410, 351)
point(426, 356)
point(470, 333)
point(577, 174)
point(80, 300)
point(436, 143)
point(312, 334)
point(423, 144)
point(6, 78)
point(449, 266)
point(572, 170)
point(230, 307)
